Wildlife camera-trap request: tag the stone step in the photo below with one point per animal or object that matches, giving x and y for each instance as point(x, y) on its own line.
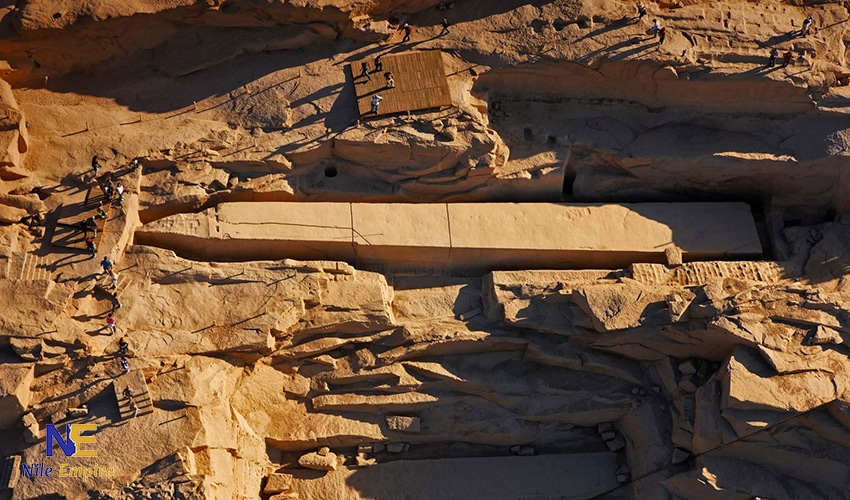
point(33, 268)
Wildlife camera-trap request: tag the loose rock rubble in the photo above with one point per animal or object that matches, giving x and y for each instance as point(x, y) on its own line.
point(677, 376)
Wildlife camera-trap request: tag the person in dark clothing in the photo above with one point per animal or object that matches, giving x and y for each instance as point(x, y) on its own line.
point(786, 58)
point(771, 62)
point(379, 64)
point(807, 26)
point(641, 9)
point(364, 71)
point(90, 246)
point(445, 25)
point(407, 31)
point(90, 224)
point(662, 33)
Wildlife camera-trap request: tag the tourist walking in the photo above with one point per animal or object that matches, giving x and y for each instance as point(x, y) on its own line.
point(786, 58)
point(641, 10)
point(95, 165)
point(662, 33)
point(376, 102)
point(123, 345)
point(120, 190)
point(110, 323)
point(116, 302)
point(113, 277)
point(89, 224)
point(379, 64)
point(125, 365)
point(90, 246)
point(106, 264)
point(135, 410)
point(364, 71)
point(445, 25)
point(771, 62)
point(807, 26)
point(407, 31)
point(390, 79)
point(656, 27)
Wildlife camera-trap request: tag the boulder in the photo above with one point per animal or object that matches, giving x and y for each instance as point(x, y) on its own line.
point(316, 461)
point(15, 380)
point(78, 412)
point(618, 443)
point(31, 429)
point(623, 305)
point(276, 483)
point(403, 424)
point(395, 447)
point(27, 348)
point(11, 215)
point(673, 256)
point(678, 303)
point(687, 368)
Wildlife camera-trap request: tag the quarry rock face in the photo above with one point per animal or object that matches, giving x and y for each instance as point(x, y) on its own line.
point(615, 265)
point(15, 392)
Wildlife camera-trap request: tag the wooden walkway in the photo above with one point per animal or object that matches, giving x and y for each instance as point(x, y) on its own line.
point(420, 83)
point(135, 380)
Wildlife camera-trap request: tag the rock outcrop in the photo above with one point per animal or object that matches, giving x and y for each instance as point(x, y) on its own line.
point(708, 361)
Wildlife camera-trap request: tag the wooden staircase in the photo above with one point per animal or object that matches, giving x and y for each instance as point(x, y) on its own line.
point(135, 380)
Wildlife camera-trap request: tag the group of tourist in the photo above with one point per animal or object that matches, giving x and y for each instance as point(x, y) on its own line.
point(128, 393)
point(660, 32)
point(111, 323)
point(388, 75)
point(112, 192)
point(805, 30)
point(107, 185)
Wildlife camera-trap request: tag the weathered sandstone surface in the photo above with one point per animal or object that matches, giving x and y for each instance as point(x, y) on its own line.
point(613, 268)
